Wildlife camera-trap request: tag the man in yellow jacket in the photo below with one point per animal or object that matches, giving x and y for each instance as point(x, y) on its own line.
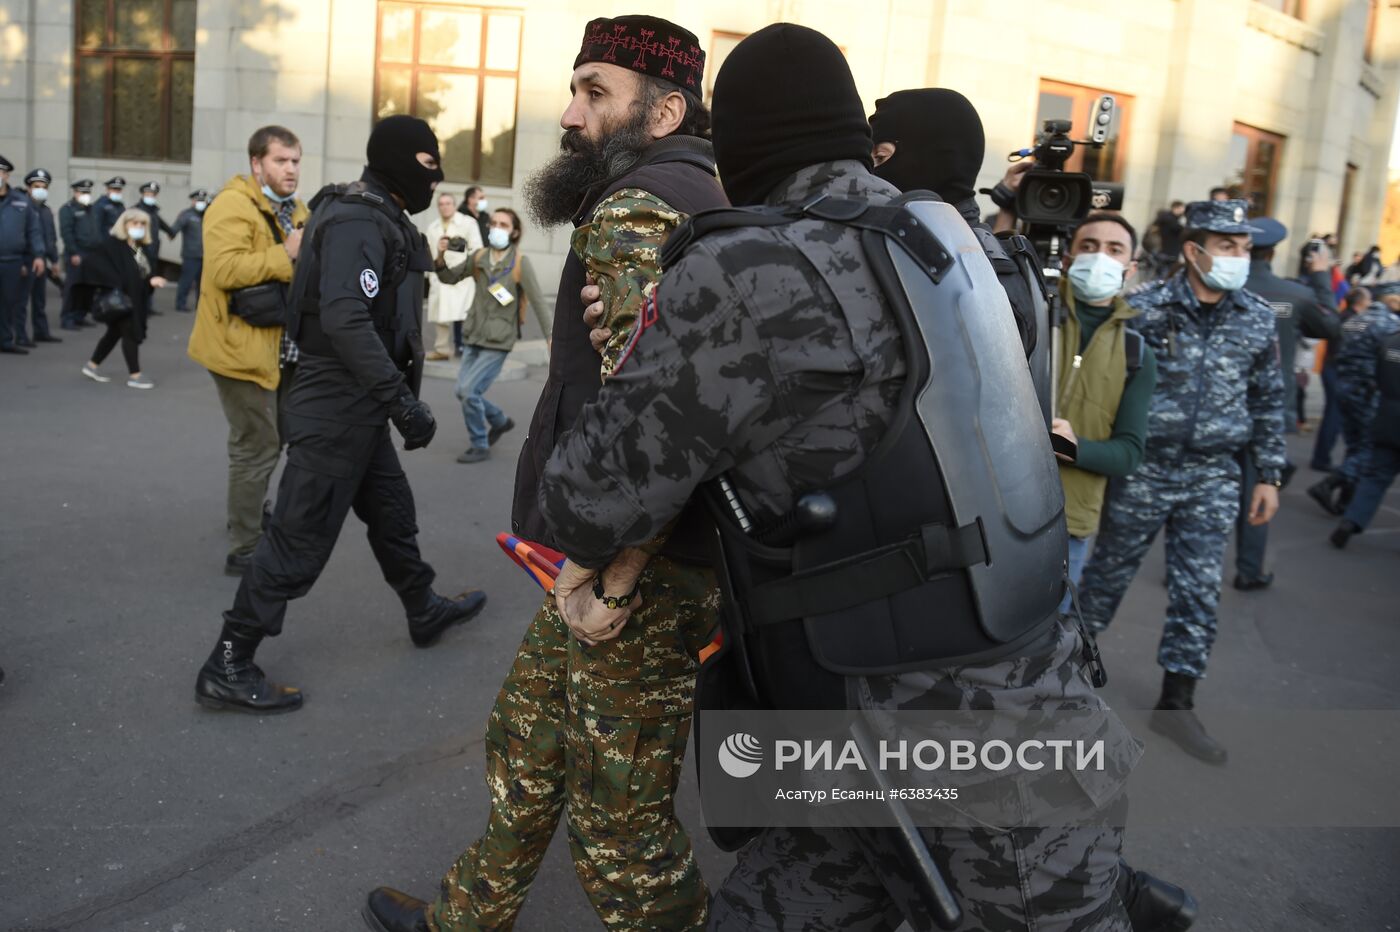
point(252, 233)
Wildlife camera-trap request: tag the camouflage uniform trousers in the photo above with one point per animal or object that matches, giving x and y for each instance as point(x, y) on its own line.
point(632, 857)
point(1198, 502)
point(1358, 409)
point(1008, 877)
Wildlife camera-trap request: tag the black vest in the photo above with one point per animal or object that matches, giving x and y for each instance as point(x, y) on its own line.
point(680, 171)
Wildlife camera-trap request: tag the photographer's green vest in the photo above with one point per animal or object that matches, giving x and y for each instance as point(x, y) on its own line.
point(1089, 388)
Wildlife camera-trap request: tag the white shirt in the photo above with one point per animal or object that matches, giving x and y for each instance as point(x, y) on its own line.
point(447, 303)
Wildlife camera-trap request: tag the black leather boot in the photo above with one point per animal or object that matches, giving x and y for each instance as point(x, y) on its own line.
point(426, 624)
point(1154, 905)
point(388, 910)
point(1326, 493)
point(229, 681)
point(1343, 533)
point(1175, 719)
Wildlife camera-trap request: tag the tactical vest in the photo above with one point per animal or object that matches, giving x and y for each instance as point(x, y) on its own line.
point(948, 545)
point(355, 201)
point(1386, 426)
point(1018, 271)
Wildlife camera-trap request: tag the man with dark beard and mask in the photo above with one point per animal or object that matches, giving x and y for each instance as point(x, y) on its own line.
point(355, 302)
point(592, 718)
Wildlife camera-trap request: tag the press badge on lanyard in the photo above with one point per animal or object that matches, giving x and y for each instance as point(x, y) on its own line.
point(501, 293)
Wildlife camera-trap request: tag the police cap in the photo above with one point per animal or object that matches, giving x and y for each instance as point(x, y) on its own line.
point(5, 165)
point(1271, 232)
point(116, 181)
point(152, 186)
point(1228, 217)
point(38, 174)
point(84, 184)
point(199, 194)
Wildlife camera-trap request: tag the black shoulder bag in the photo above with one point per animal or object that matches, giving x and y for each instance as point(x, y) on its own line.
point(263, 305)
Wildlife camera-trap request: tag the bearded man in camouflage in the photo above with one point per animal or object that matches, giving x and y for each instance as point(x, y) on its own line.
point(600, 719)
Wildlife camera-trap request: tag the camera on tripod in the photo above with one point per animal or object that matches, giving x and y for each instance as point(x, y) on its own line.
point(1050, 196)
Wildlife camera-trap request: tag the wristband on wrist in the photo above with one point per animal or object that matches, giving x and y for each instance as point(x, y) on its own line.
point(614, 602)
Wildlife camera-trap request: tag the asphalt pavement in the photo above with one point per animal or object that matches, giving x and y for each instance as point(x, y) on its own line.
point(125, 806)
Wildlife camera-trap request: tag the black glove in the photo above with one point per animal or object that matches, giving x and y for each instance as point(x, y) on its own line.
point(415, 422)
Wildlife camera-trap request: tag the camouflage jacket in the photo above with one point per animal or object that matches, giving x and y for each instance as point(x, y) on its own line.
point(620, 248)
point(743, 361)
point(1361, 344)
point(1219, 386)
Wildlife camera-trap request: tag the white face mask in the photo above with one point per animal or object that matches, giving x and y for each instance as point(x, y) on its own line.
point(148, 201)
point(199, 206)
point(481, 206)
point(136, 233)
point(85, 199)
point(40, 194)
point(1095, 276)
point(498, 238)
point(1227, 273)
point(116, 197)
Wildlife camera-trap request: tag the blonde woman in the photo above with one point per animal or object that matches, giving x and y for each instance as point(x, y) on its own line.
point(119, 263)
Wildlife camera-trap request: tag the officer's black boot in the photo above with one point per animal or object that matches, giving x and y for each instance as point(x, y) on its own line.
point(388, 910)
point(1154, 905)
point(1325, 493)
point(229, 681)
point(1343, 533)
point(1175, 719)
point(430, 614)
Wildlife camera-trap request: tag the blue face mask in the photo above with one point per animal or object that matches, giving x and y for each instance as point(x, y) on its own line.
point(276, 198)
point(1095, 276)
point(1227, 273)
point(498, 238)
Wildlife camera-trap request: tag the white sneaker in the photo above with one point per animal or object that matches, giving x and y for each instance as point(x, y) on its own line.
point(139, 381)
point(93, 374)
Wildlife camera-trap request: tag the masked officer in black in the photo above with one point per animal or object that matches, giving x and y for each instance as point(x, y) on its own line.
point(77, 227)
point(354, 310)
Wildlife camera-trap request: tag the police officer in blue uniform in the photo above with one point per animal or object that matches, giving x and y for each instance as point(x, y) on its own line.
point(109, 206)
point(356, 302)
point(77, 227)
point(189, 226)
point(21, 256)
point(1301, 308)
point(1220, 394)
point(150, 203)
point(37, 181)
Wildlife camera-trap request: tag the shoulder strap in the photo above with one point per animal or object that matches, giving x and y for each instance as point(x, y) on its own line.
point(272, 223)
point(1133, 348)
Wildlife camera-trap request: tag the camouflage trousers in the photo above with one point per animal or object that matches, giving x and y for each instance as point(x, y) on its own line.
point(1358, 407)
point(1198, 504)
point(599, 733)
point(1008, 878)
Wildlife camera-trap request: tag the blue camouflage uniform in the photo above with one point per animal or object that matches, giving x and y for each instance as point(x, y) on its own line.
point(20, 240)
point(1356, 383)
point(1219, 393)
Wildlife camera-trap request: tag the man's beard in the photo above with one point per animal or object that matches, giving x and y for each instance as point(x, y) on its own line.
point(554, 193)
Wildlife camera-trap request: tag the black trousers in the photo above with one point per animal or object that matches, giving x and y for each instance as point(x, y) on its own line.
point(123, 331)
point(331, 469)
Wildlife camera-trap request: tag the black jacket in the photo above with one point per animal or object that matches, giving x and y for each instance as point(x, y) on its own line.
point(358, 297)
point(113, 265)
point(677, 169)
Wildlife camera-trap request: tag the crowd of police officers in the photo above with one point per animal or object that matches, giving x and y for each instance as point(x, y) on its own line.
point(868, 557)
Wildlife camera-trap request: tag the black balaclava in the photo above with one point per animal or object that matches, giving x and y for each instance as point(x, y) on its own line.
point(784, 99)
point(939, 143)
point(393, 150)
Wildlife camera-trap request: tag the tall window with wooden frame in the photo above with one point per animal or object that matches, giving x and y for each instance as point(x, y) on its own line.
point(133, 79)
point(458, 67)
point(1074, 102)
point(1368, 51)
point(1252, 169)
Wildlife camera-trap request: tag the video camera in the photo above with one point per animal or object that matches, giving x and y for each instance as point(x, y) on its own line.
point(1049, 195)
